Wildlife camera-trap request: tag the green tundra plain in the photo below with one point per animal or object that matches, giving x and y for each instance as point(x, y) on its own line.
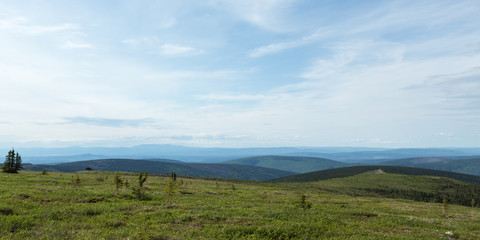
point(86, 205)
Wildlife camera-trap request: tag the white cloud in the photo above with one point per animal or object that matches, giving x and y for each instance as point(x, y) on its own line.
point(370, 141)
point(379, 72)
point(171, 50)
point(234, 97)
point(22, 25)
point(154, 44)
point(212, 76)
point(447, 135)
point(266, 14)
point(143, 41)
point(168, 23)
point(281, 46)
point(71, 45)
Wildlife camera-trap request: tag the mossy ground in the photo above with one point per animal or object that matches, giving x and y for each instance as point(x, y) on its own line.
point(53, 206)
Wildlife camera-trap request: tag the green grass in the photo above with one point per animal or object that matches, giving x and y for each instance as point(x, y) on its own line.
point(52, 206)
point(382, 184)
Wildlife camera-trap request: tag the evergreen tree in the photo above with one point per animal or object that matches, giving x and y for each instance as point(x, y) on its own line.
point(18, 162)
point(13, 162)
point(139, 191)
point(170, 188)
point(118, 181)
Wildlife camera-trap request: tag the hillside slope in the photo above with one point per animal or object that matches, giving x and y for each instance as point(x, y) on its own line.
point(378, 183)
point(351, 171)
point(467, 166)
point(164, 167)
point(289, 163)
point(51, 206)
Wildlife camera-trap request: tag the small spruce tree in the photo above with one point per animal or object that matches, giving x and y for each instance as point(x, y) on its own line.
point(76, 181)
point(170, 189)
point(303, 202)
point(139, 191)
point(117, 181)
point(13, 162)
point(444, 206)
point(142, 177)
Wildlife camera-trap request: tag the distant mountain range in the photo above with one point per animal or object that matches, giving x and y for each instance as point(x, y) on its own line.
point(195, 154)
point(245, 163)
point(165, 166)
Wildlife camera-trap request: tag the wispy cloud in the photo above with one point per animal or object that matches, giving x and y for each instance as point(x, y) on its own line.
point(370, 141)
point(137, 42)
point(458, 92)
point(234, 97)
point(110, 122)
point(282, 46)
point(72, 45)
point(171, 50)
point(22, 25)
point(267, 69)
point(208, 136)
point(446, 134)
point(266, 14)
point(189, 74)
point(155, 45)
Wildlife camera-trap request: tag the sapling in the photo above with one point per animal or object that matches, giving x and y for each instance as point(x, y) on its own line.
point(444, 207)
point(76, 181)
point(117, 181)
point(139, 190)
point(170, 189)
point(303, 202)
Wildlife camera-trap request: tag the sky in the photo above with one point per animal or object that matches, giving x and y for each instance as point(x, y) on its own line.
point(250, 73)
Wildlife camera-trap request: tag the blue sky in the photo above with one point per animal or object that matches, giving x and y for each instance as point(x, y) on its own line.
point(247, 73)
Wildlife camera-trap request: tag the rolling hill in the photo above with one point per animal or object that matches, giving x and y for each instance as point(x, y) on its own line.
point(467, 166)
point(289, 163)
point(379, 183)
point(390, 181)
point(378, 155)
point(166, 166)
point(351, 171)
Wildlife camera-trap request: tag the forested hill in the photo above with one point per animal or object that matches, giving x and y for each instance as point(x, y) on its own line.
point(378, 183)
point(467, 166)
point(290, 163)
point(162, 167)
point(351, 171)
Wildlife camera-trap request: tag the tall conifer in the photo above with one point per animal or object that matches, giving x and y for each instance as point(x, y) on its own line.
point(13, 162)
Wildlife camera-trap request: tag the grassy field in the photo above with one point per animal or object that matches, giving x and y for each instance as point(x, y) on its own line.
point(85, 206)
point(378, 183)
